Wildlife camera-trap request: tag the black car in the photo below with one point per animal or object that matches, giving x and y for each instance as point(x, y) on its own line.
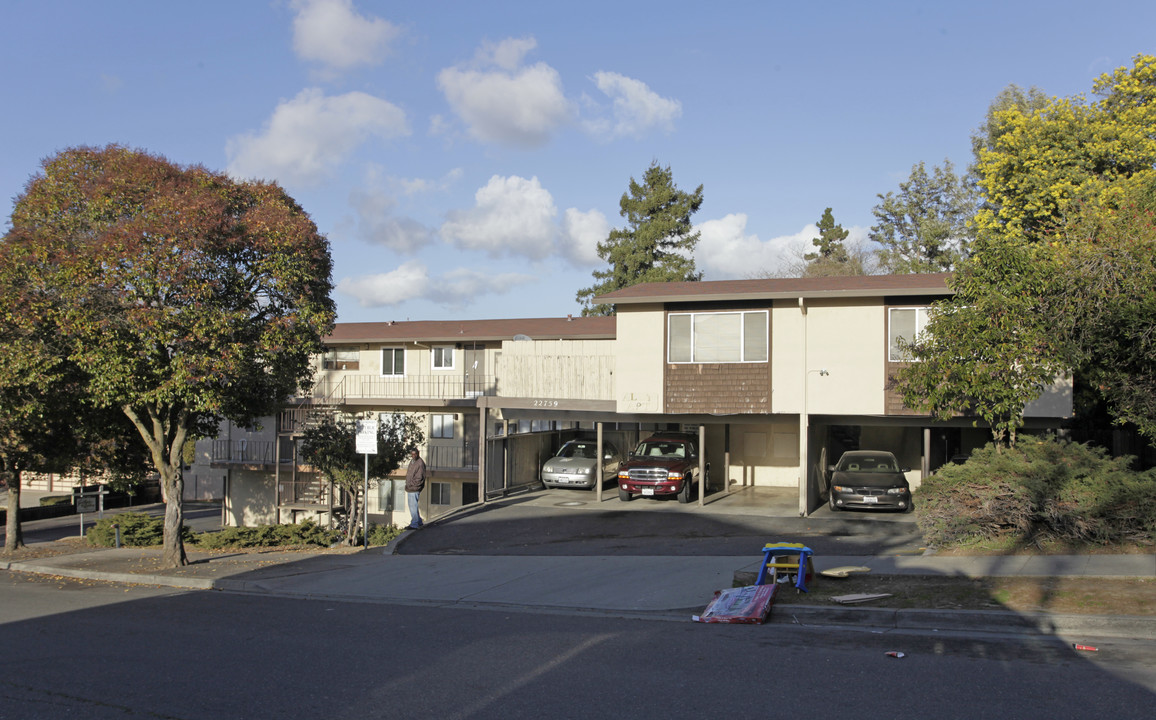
point(869, 479)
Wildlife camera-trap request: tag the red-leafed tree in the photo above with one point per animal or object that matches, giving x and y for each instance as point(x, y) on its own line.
point(183, 296)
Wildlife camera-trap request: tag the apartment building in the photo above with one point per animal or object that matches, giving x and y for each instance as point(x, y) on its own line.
point(778, 376)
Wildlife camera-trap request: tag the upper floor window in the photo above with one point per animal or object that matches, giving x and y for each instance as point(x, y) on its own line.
point(393, 361)
point(722, 337)
point(443, 358)
point(442, 426)
point(342, 359)
point(905, 323)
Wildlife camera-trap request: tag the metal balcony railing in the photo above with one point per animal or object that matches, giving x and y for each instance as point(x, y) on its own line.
point(304, 491)
point(426, 387)
point(243, 452)
point(453, 458)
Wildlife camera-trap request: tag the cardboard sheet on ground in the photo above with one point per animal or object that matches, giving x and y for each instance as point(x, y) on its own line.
point(750, 604)
point(843, 571)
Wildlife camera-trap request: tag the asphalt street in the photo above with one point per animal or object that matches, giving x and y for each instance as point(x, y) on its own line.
point(93, 650)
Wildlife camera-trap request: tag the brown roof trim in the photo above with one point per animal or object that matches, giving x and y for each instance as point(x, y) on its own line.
point(778, 288)
point(576, 328)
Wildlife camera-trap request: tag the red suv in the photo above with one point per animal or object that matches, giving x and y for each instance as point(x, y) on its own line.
point(662, 464)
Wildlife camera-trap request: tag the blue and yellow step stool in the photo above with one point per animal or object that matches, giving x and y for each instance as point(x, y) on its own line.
point(776, 557)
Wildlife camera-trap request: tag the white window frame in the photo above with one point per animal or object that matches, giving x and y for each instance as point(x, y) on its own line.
point(766, 350)
point(441, 350)
point(342, 358)
point(921, 316)
point(439, 425)
point(394, 373)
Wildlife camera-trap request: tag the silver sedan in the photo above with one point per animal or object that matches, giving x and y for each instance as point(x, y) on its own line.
point(573, 465)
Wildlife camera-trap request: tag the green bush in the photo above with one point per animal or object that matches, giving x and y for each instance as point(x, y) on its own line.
point(136, 529)
point(49, 500)
point(304, 533)
point(382, 534)
point(1041, 490)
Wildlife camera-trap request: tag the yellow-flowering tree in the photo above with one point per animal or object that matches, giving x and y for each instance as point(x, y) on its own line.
point(1043, 160)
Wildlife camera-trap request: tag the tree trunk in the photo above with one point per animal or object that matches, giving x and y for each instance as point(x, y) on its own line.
point(14, 536)
point(354, 518)
point(173, 487)
point(164, 434)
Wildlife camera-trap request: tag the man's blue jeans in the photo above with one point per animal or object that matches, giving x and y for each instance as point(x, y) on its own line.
point(414, 516)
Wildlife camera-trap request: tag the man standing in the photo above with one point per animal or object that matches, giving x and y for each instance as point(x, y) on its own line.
point(414, 483)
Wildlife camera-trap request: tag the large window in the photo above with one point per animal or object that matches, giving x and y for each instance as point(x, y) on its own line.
point(905, 323)
point(342, 359)
point(443, 358)
point(393, 361)
point(725, 337)
point(442, 426)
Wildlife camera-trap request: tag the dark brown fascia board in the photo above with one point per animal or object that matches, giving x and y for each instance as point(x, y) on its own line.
point(454, 331)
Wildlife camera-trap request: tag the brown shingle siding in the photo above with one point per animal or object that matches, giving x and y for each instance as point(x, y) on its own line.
point(718, 388)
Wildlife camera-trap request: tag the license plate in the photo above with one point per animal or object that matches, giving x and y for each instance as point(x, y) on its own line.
point(870, 499)
point(647, 491)
point(564, 478)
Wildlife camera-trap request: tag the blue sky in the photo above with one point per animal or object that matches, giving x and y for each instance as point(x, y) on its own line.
point(464, 157)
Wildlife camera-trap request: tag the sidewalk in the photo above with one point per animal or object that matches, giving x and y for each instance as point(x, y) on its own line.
point(668, 588)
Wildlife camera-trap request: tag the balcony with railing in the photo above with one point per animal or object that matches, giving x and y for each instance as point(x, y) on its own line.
point(243, 452)
point(305, 490)
point(452, 458)
point(423, 387)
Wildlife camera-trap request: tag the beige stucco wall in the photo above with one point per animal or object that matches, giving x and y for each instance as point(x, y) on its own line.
point(763, 454)
point(640, 355)
point(844, 337)
point(252, 499)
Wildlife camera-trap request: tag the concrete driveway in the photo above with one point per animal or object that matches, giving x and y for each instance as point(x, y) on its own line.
point(573, 522)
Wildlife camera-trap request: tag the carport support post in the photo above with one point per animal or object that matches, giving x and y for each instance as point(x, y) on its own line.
point(803, 418)
point(598, 464)
point(701, 465)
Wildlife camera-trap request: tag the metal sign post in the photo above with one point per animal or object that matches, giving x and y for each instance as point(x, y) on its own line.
point(367, 445)
point(88, 503)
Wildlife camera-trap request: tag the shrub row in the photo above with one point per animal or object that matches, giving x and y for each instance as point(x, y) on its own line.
point(1041, 490)
point(141, 530)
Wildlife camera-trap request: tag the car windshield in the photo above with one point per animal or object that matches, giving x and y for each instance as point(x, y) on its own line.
point(663, 448)
point(578, 450)
point(868, 464)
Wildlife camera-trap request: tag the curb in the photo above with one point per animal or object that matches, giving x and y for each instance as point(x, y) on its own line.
point(1001, 622)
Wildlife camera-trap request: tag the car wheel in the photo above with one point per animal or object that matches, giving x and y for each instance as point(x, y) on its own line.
point(831, 501)
point(684, 493)
point(624, 496)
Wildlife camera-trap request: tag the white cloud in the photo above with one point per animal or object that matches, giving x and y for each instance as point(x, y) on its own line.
point(726, 251)
point(377, 224)
point(511, 215)
point(309, 136)
point(636, 108)
point(411, 281)
point(333, 33)
point(501, 101)
point(581, 233)
point(408, 282)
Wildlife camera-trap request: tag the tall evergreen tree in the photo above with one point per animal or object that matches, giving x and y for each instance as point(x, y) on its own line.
point(657, 243)
point(924, 227)
point(831, 257)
